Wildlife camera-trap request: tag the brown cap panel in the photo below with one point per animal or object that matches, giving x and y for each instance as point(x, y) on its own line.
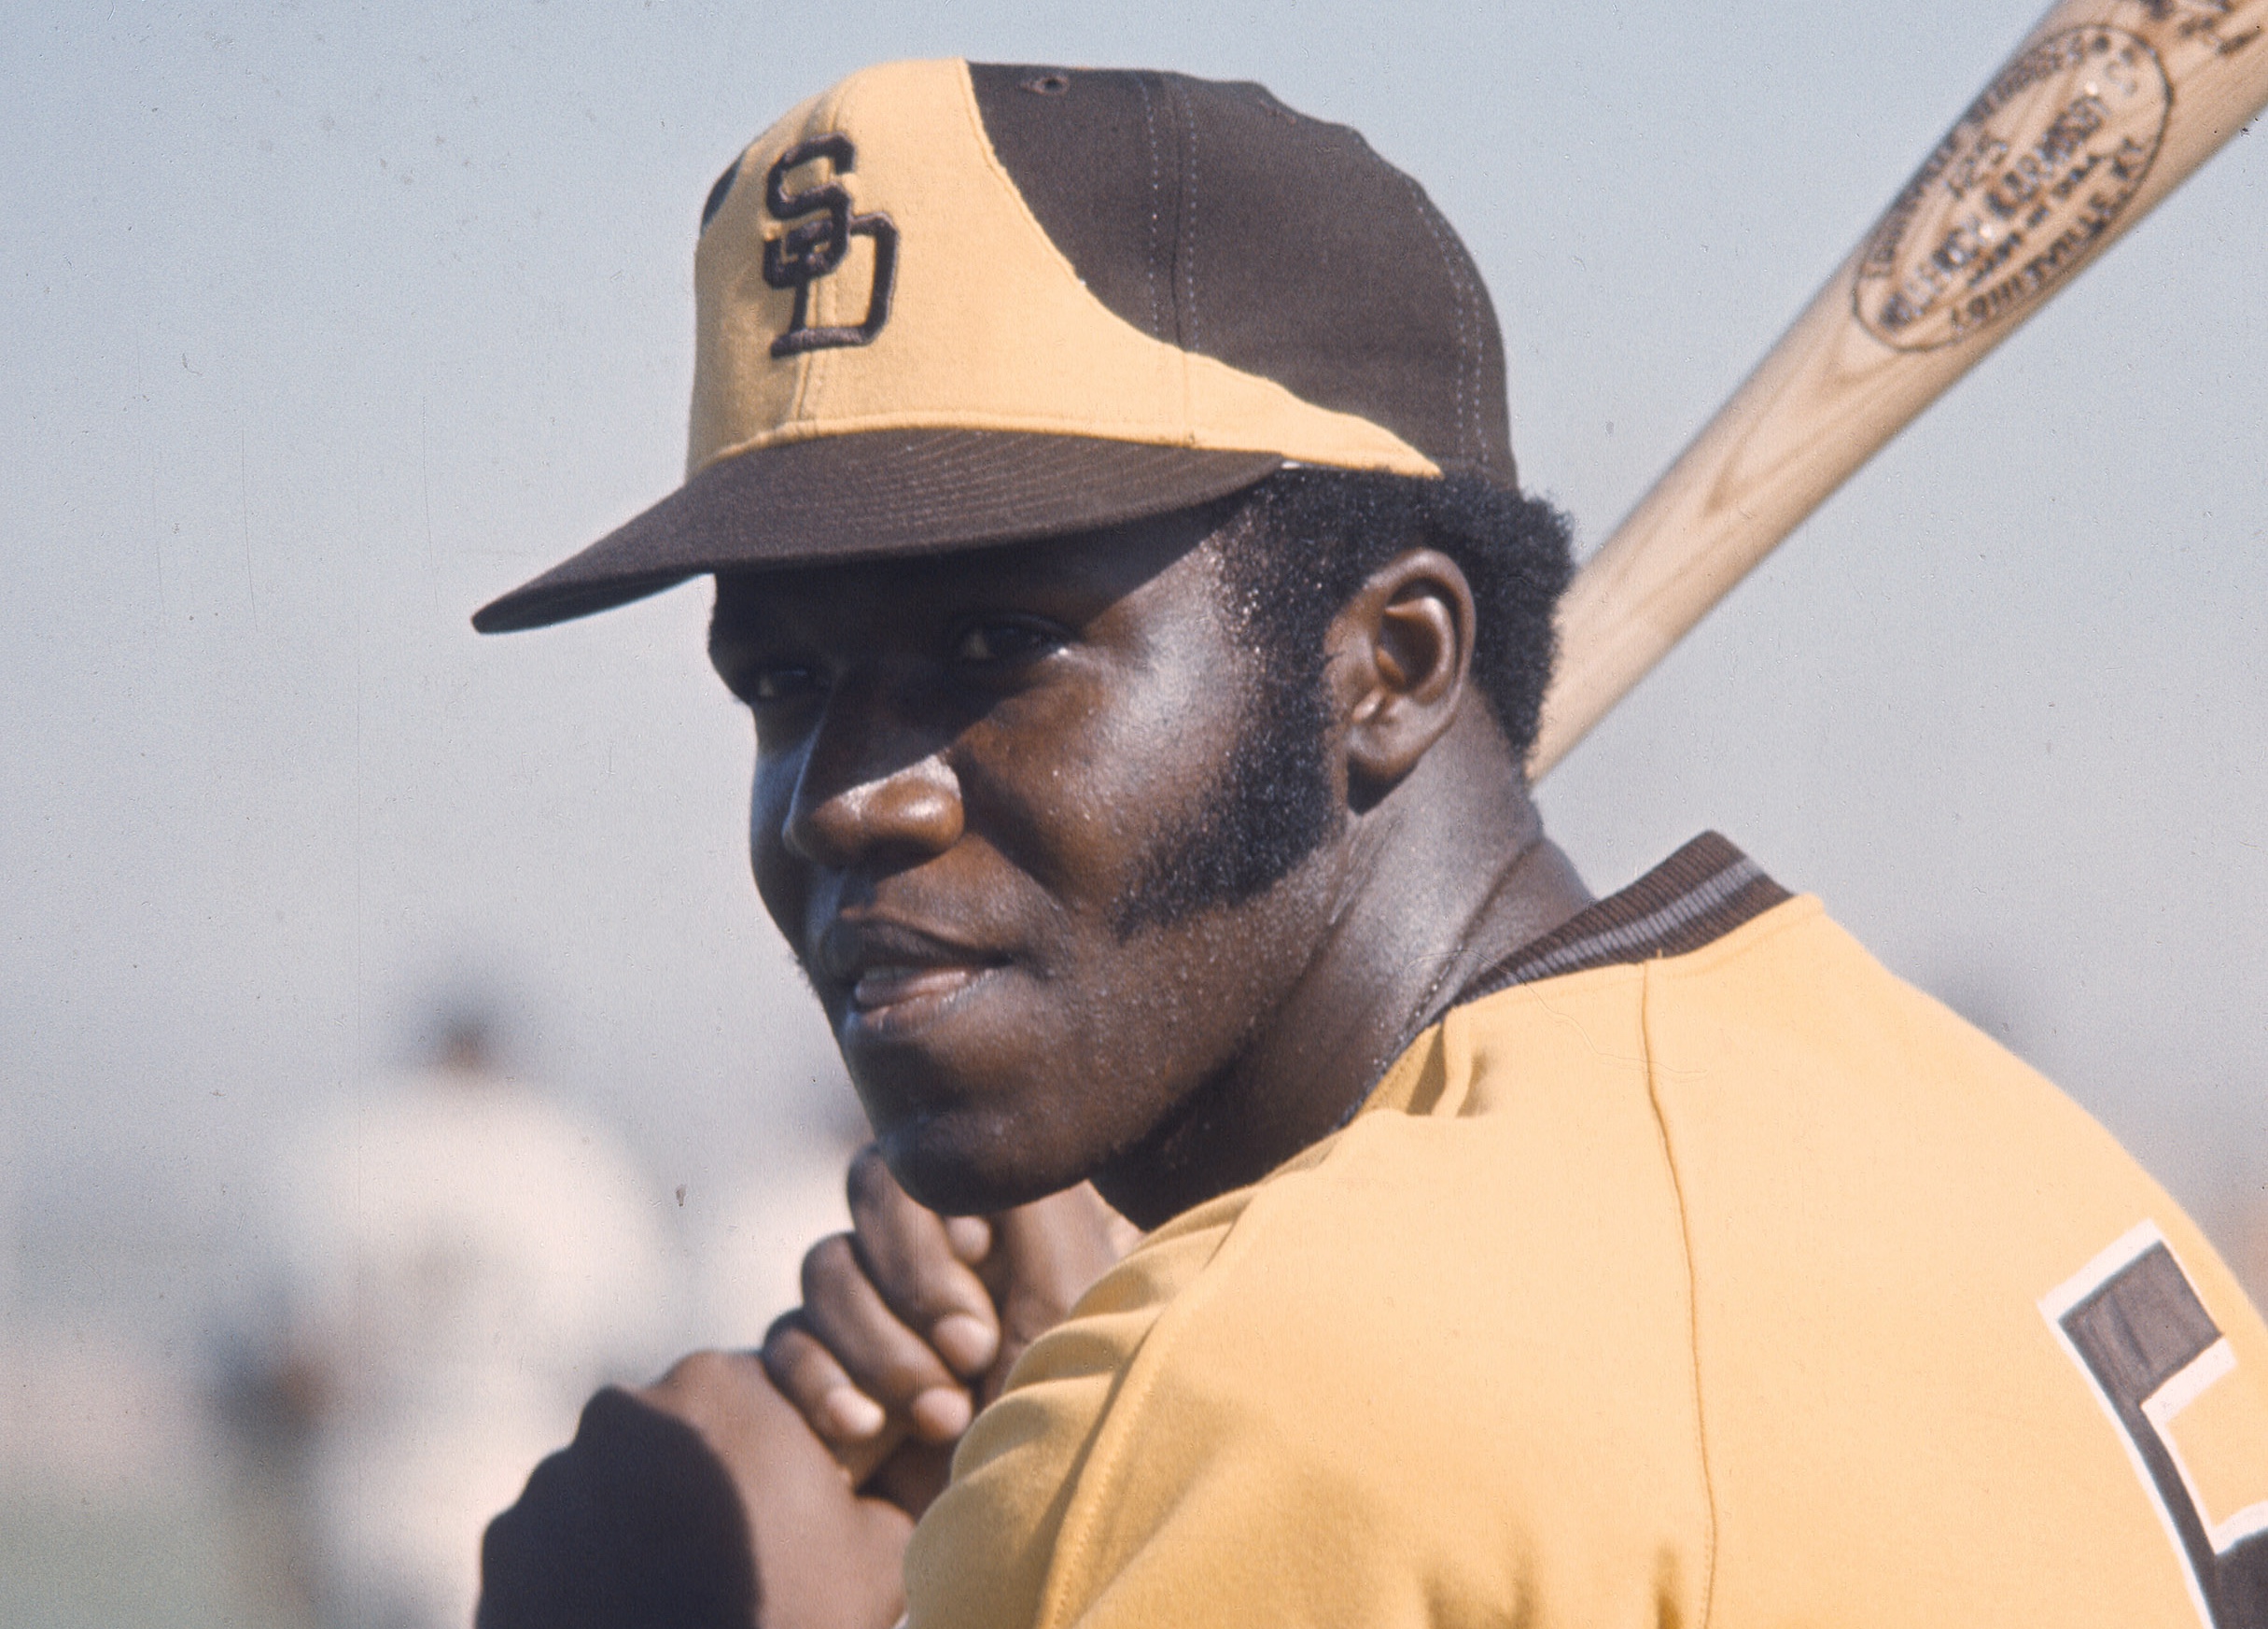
point(1212, 217)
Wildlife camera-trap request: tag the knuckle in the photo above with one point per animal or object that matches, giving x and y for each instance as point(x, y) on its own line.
point(869, 1185)
point(785, 1333)
point(796, 1362)
point(888, 1370)
point(902, 1378)
point(829, 1266)
point(897, 1279)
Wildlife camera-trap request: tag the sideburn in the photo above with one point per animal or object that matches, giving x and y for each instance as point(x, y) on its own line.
point(1270, 805)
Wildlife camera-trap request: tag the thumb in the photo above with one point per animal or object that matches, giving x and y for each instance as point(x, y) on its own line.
point(1044, 1257)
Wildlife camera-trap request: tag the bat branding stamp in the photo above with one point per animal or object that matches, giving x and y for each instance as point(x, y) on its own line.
point(2019, 190)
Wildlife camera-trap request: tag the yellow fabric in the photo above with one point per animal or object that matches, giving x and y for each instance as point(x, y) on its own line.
point(990, 326)
point(2220, 1439)
point(1700, 1291)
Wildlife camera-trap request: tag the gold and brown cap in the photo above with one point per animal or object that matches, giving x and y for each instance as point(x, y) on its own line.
point(948, 304)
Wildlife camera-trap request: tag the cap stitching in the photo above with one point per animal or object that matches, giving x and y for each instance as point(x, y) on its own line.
point(1469, 368)
point(1466, 396)
point(1189, 223)
point(1474, 330)
point(1464, 327)
point(1158, 185)
point(1188, 255)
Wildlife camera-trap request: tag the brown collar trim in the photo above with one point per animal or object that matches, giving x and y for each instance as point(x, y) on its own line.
point(1700, 893)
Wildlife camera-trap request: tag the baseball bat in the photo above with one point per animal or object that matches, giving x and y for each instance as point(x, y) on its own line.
point(2104, 108)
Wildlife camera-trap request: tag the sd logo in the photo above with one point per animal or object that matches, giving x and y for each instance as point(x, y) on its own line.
point(811, 250)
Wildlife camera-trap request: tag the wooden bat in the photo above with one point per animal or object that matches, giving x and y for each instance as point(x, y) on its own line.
point(2105, 108)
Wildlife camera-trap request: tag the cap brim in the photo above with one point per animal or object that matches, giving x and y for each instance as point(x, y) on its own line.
point(872, 495)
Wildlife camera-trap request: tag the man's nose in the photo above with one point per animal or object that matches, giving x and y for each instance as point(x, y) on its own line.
point(873, 785)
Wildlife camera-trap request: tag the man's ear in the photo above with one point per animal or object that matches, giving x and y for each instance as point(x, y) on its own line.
point(1401, 652)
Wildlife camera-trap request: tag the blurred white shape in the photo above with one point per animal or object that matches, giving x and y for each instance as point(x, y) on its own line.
point(456, 1263)
point(750, 1246)
point(95, 1423)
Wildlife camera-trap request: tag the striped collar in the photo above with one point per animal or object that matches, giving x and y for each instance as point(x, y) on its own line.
point(1700, 893)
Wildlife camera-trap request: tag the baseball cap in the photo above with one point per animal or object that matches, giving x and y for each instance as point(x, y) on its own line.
point(947, 304)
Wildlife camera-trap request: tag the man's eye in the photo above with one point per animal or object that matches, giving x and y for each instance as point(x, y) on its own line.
point(1001, 641)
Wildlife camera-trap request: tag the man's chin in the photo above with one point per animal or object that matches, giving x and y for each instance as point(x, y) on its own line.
point(959, 1169)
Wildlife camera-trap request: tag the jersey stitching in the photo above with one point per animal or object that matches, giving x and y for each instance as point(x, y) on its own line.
point(1677, 1192)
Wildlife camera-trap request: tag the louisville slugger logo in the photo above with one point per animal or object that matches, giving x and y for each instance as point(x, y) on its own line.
point(2038, 172)
point(2166, 1375)
point(2024, 186)
point(813, 248)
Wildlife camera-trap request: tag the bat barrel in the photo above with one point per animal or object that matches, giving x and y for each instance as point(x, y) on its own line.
point(2106, 108)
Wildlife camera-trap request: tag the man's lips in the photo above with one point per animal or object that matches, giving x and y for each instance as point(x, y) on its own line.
point(884, 964)
point(890, 985)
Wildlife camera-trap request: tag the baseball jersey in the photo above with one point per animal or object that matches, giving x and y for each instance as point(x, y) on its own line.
point(1694, 1270)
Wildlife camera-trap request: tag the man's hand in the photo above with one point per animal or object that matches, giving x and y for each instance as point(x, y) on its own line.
point(911, 1321)
point(722, 1496)
point(701, 1502)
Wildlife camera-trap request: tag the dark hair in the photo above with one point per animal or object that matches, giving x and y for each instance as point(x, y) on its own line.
point(1303, 541)
point(1293, 550)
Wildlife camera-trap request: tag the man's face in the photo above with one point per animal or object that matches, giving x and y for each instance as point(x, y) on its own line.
point(968, 771)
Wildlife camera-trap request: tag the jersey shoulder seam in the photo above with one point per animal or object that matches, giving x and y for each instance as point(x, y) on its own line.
point(1685, 1240)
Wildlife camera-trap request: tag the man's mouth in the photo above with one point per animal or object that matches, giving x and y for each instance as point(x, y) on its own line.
point(893, 984)
point(890, 970)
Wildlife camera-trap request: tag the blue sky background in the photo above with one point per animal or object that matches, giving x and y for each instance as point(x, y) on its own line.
point(326, 323)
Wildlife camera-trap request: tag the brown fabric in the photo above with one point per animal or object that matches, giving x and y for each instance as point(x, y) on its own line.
point(904, 492)
point(1212, 217)
point(1701, 893)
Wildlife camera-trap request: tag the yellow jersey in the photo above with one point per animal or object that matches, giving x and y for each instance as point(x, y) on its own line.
point(1705, 1273)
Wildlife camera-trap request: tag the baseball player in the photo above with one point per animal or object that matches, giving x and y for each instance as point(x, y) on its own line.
point(1108, 486)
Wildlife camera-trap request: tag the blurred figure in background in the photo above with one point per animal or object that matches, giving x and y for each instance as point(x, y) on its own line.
point(747, 1242)
point(454, 1263)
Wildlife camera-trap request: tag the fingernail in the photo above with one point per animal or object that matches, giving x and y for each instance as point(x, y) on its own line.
point(852, 1413)
point(966, 1341)
point(941, 1413)
point(971, 1238)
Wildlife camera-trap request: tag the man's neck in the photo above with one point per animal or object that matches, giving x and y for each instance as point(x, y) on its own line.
point(1445, 876)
